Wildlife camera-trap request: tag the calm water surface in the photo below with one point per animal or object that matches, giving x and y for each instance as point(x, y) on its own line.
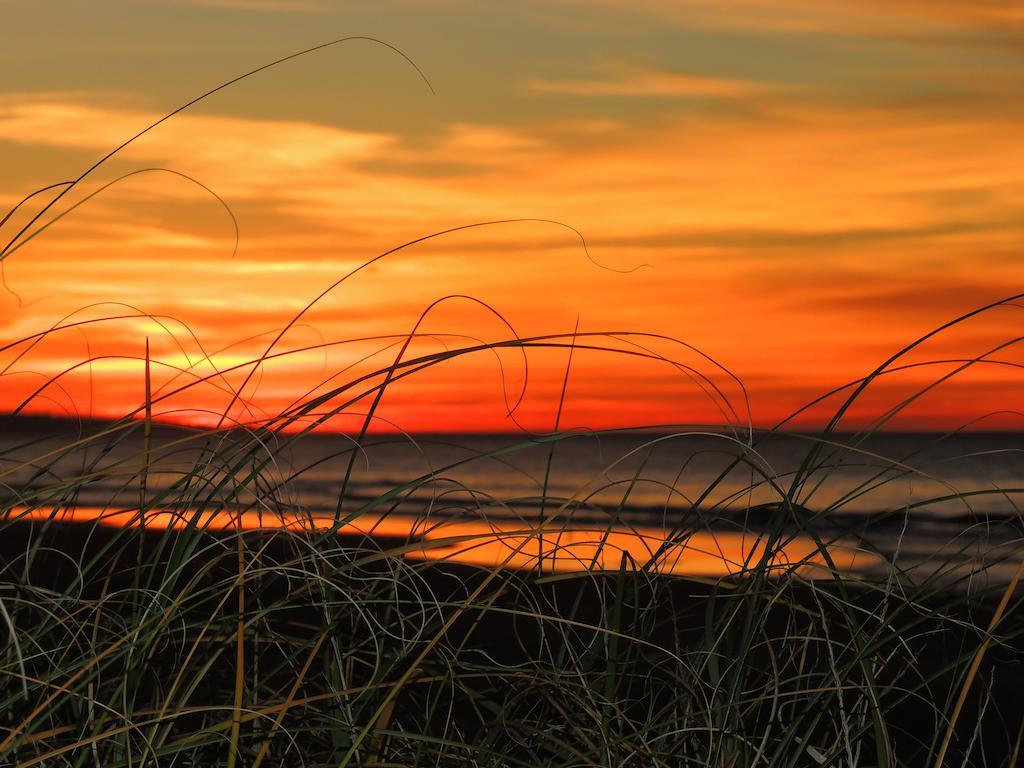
point(918, 501)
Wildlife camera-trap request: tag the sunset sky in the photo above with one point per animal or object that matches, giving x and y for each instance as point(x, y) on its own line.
point(796, 188)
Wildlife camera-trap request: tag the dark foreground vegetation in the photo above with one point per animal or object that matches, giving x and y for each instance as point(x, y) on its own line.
point(137, 647)
point(276, 648)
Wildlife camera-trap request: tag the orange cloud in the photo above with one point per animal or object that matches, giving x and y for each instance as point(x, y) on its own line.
point(1003, 19)
point(243, 157)
point(266, 6)
point(635, 82)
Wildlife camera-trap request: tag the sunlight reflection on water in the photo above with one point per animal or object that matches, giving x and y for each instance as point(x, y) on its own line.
point(516, 545)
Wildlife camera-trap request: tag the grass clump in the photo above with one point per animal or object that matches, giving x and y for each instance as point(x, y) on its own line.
point(223, 619)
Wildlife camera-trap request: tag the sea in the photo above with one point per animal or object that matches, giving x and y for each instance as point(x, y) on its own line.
point(910, 508)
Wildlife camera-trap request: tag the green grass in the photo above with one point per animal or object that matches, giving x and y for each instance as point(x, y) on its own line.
point(192, 647)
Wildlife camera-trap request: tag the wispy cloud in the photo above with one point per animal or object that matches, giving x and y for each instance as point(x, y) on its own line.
point(899, 18)
point(246, 155)
point(266, 6)
point(636, 82)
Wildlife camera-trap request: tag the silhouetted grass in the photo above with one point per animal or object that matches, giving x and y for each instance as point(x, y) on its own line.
point(364, 635)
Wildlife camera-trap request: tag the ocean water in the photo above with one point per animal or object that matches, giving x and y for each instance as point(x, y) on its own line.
point(917, 505)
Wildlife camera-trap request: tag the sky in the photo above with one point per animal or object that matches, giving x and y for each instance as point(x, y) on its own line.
point(739, 206)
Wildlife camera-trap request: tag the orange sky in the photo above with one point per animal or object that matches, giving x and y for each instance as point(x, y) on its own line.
point(796, 189)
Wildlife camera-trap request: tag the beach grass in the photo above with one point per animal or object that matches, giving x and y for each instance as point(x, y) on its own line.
point(134, 645)
point(214, 621)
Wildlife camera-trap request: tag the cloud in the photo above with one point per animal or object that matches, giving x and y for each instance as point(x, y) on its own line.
point(747, 222)
point(247, 155)
point(636, 82)
point(266, 6)
point(917, 19)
